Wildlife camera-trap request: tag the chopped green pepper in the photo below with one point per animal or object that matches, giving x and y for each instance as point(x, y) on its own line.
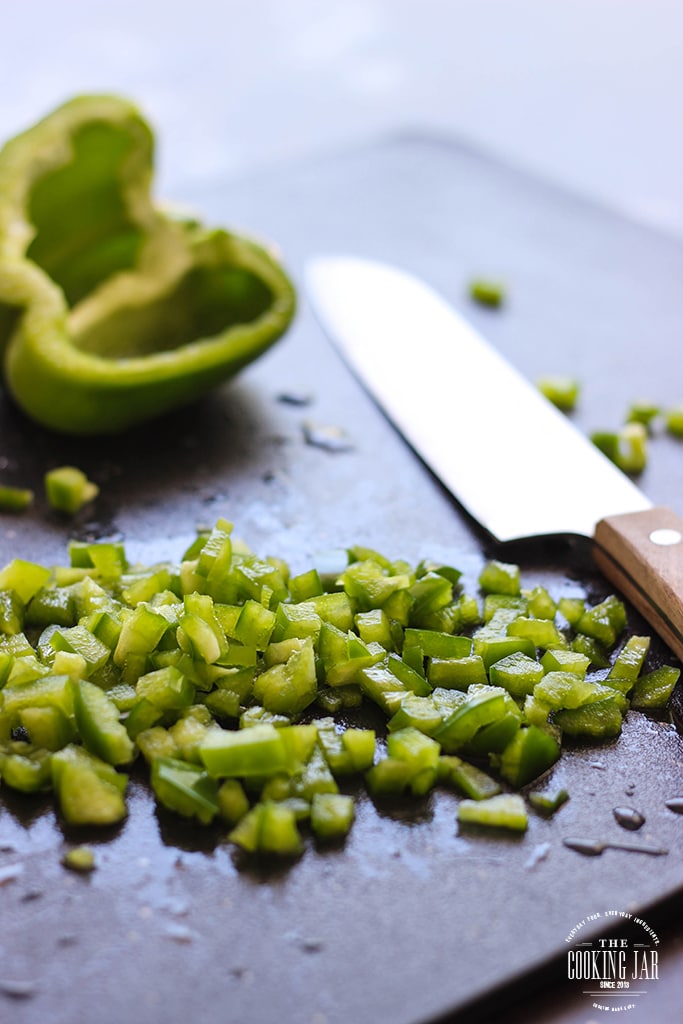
point(112, 312)
point(563, 392)
point(487, 293)
point(506, 810)
point(674, 421)
point(119, 661)
point(68, 489)
point(15, 499)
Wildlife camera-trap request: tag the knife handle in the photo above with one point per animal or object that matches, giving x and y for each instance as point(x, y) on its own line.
point(642, 553)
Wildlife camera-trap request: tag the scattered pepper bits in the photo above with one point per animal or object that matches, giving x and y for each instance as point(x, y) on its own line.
point(227, 676)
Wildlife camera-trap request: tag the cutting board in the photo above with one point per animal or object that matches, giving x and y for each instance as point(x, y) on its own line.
point(411, 919)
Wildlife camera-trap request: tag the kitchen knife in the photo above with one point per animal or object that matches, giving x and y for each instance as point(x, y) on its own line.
point(512, 460)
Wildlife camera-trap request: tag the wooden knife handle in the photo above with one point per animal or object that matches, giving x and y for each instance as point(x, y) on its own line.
point(642, 553)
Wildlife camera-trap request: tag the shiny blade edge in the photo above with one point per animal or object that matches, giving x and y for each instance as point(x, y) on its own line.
point(516, 463)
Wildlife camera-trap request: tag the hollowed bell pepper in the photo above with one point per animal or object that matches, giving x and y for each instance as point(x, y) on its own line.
point(112, 312)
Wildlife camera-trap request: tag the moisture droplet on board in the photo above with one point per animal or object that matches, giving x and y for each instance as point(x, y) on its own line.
point(330, 438)
point(294, 398)
point(675, 804)
point(17, 988)
point(628, 818)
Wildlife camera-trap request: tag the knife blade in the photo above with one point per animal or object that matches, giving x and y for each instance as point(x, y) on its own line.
point(509, 457)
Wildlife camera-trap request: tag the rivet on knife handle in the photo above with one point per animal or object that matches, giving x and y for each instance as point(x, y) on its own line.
point(642, 553)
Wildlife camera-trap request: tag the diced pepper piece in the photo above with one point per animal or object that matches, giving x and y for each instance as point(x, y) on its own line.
point(185, 789)
point(506, 810)
point(382, 687)
point(47, 691)
point(605, 621)
point(500, 578)
point(494, 738)
point(673, 419)
point(466, 778)
point(141, 631)
point(79, 640)
point(255, 625)
point(24, 578)
point(434, 644)
point(408, 676)
point(332, 815)
point(97, 719)
point(335, 609)
point(630, 659)
point(456, 673)
point(540, 604)
point(495, 648)
point(487, 293)
point(542, 632)
point(146, 587)
point(233, 802)
point(654, 689)
point(600, 720)
point(15, 499)
point(548, 804)
point(421, 752)
point(418, 713)
point(375, 627)
point(305, 585)
point(11, 613)
point(188, 732)
point(514, 605)
point(25, 767)
point(564, 660)
point(431, 595)
point(268, 828)
point(300, 742)
point(315, 777)
point(530, 753)
point(108, 557)
point(572, 608)
point(296, 620)
point(247, 752)
point(52, 605)
point(214, 554)
point(370, 586)
point(517, 672)
point(199, 631)
point(142, 716)
point(642, 410)
point(289, 688)
point(389, 778)
point(461, 725)
point(562, 391)
point(47, 727)
point(591, 649)
point(166, 688)
point(156, 742)
point(80, 858)
point(90, 791)
point(568, 690)
point(346, 752)
point(68, 489)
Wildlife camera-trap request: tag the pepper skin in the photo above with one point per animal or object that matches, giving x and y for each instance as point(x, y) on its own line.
point(111, 311)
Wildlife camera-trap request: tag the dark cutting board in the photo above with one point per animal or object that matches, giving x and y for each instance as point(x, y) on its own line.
point(410, 919)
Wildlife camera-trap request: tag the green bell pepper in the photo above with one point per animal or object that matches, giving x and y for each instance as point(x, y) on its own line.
point(111, 311)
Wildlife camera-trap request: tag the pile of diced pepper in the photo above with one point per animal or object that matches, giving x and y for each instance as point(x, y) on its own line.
point(235, 680)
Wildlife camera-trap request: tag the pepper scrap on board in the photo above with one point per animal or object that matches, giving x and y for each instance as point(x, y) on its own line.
point(111, 310)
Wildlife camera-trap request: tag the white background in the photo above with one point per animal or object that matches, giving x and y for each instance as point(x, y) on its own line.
point(587, 93)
